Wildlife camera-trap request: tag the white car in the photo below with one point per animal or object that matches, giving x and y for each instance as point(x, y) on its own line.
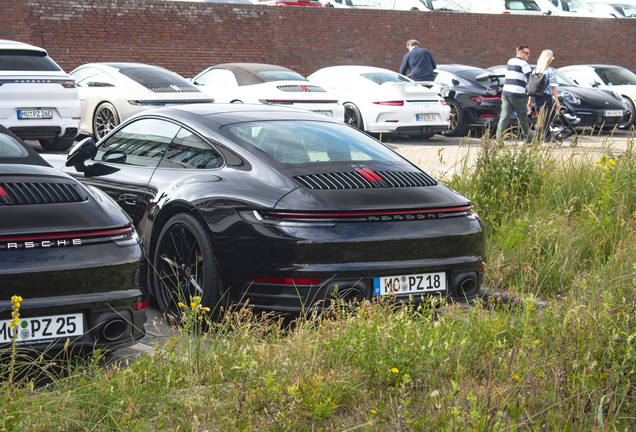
point(571, 8)
point(351, 4)
point(619, 9)
point(605, 77)
point(38, 100)
point(111, 92)
point(423, 5)
point(258, 83)
point(521, 7)
point(380, 100)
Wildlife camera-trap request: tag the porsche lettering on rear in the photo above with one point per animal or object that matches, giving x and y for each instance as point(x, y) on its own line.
point(40, 244)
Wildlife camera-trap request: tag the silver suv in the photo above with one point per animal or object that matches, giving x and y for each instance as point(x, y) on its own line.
point(38, 100)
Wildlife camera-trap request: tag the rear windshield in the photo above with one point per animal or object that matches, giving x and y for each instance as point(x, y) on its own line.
point(26, 60)
point(297, 142)
point(384, 77)
point(10, 148)
point(152, 78)
point(282, 76)
point(522, 5)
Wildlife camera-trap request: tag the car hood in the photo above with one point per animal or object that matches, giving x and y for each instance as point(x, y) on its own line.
point(43, 200)
point(593, 97)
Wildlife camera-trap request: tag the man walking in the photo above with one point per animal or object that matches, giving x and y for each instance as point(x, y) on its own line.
point(514, 96)
point(419, 61)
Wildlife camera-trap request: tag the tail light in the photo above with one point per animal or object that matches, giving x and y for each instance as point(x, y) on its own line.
point(68, 84)
point(486, 99)
point(389, 103)
point(140, 306)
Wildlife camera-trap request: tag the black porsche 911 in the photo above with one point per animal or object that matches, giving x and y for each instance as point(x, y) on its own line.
point(70, 253)
point(595, 107)
point(282, 209)
point(474, 95)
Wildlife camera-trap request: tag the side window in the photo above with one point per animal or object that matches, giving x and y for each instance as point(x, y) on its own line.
point(83, 76)
point(189, 151)
point(141, 143)
point(217, 78)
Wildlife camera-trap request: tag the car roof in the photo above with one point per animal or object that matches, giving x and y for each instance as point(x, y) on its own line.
point(33, 157)
point(459, 68)
point(14, 45)
point(224, 114)
point(247, 73)
point(356, 69)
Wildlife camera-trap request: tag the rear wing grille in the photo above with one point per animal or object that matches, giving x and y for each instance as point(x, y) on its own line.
point(354, 180)
point(301, 88)
point(40, 193)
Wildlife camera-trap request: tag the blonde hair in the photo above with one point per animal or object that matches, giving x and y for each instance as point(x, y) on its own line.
point(544, 60)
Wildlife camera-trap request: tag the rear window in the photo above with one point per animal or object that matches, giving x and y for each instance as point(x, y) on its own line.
point(10, 148)
point(297, 142)
point(26, 60)
point(152, 78)
point(522, 5)
point(282, 76)
point(384, 77)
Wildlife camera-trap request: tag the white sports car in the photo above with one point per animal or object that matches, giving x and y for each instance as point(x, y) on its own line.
point(379, 100)
point(266, 84)
point(605, 77)
point(109, 93)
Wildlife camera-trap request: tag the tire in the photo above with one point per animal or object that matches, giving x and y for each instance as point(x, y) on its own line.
point(184, 267)
point(105, 119)
point(630, 122)
point(57, 143)
point(353, 116)
point(457, 126)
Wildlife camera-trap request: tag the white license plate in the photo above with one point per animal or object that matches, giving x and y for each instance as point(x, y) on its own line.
point(35, 114)
point(44, 328)
point(325, 113)
point(409, 284)
point(616, 113)
point(425, 117)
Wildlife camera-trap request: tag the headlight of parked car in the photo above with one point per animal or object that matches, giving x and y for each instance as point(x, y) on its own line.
point(618, 96)
point(569, 97)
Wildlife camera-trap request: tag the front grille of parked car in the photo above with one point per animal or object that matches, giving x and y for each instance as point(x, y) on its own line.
point(40, 193)
point(174, 89)
point(354, 180)
point(300, 88)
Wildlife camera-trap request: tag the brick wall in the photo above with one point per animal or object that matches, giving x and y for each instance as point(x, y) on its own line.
point(186, 37)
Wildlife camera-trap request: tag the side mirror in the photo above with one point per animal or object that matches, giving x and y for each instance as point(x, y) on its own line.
point(85, 150)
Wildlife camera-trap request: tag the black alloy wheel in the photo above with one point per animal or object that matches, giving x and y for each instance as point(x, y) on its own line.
point(104, 120)
point(457, 126)
point(630, 122)
point(352, 116)
point(184, 267)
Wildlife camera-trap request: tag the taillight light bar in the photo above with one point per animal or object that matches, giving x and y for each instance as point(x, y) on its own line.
point(373, 213)
point(287, 281)
point(389, 103)
point(486, 98)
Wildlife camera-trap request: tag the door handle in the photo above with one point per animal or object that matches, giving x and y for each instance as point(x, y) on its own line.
point(128, 199)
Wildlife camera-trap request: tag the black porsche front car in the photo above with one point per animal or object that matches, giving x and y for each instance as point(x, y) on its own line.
point(70, 253)
point(281, 209)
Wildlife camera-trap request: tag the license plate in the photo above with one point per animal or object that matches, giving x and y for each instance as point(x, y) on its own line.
point(44, 328)
point(425, 117)
point(409, 284)
point(325, 113)
point(35, 114)
point(616, 113)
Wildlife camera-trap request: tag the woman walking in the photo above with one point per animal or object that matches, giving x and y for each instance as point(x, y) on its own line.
point(548, 103)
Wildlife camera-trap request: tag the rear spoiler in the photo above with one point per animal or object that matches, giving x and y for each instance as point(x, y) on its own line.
point(414, 87)
point(494, 85)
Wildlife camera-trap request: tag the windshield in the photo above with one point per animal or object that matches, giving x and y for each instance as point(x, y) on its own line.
point(562, 79)
point(443, 5)
point(385, 77)
point(297, 142)
point(522, 5)
point(576, 6)
point(616, 76)
point(282, 76)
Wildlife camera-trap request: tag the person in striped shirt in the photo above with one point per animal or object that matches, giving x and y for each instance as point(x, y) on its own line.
point(513, 97)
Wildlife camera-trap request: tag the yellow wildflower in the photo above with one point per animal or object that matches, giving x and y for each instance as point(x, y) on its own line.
point(395, 370)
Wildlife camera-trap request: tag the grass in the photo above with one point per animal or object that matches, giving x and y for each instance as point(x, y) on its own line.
point(560, 232)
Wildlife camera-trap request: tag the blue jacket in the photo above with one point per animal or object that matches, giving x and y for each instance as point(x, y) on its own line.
point(421, 64)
